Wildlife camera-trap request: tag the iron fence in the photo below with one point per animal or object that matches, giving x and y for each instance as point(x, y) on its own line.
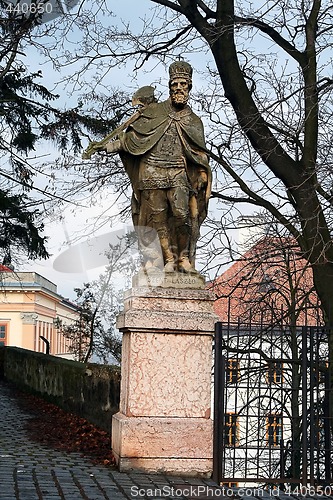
point(273, 405)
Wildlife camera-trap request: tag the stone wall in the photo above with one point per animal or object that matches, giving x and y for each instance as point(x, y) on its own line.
point(88, 390)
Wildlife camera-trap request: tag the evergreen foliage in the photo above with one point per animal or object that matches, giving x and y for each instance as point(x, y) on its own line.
point(18, 228)
point(28, 114)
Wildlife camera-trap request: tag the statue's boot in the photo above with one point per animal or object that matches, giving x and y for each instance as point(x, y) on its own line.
point(168, 257)
point(183, 239)
point(185, 266)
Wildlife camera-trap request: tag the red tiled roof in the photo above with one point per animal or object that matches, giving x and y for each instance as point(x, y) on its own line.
point(271, 280)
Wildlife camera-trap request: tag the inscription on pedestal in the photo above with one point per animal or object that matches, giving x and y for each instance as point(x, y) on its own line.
point(155, 279)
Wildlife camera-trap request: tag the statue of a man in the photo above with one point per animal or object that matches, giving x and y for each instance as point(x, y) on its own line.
point(164, 154)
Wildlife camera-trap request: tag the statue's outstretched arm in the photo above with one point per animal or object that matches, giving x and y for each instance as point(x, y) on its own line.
point(142, 98)
point(105, 144)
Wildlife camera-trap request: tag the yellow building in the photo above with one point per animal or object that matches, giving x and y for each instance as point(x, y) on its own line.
point(31, 308)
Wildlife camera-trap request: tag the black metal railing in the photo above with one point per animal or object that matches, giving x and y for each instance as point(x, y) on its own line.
point(273, 405)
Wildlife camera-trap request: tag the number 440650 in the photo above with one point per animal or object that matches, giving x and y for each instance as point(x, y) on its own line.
point(309, 491)
point(30, 8)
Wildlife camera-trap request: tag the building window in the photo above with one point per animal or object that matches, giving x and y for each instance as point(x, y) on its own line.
point(274, 429)
point(230, 429)
point(3, 334)
point(232, 371)
point(274, 372)
point(322, 373)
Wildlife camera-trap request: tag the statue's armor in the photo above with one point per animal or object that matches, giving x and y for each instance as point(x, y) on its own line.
point(169, 148)
point(163, 167)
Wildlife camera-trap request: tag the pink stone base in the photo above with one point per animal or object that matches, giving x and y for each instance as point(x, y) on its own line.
point(171, 466)
point(165, 445)
point(163, 424)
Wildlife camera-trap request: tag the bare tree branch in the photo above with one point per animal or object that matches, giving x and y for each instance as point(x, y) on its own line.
point(274, 35)
point(209, 13)
point(258, 200)
point(171, 5)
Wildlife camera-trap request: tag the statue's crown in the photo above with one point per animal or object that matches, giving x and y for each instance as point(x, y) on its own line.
point(180, 69)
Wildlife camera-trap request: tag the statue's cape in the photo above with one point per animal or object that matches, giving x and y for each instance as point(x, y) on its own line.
point(152, 124)
point(147, 130)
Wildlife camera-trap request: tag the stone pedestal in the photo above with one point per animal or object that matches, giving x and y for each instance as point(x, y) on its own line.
point(164, 424)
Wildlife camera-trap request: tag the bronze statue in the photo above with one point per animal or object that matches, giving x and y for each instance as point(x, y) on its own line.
point(163, 150)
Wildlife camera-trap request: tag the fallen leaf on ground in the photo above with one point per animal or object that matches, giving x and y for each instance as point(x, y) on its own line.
point(54, 427)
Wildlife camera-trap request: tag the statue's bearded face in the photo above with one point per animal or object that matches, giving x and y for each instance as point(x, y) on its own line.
point(179, 92)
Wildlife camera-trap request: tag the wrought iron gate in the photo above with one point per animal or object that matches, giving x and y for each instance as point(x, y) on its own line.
point(273, 405)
